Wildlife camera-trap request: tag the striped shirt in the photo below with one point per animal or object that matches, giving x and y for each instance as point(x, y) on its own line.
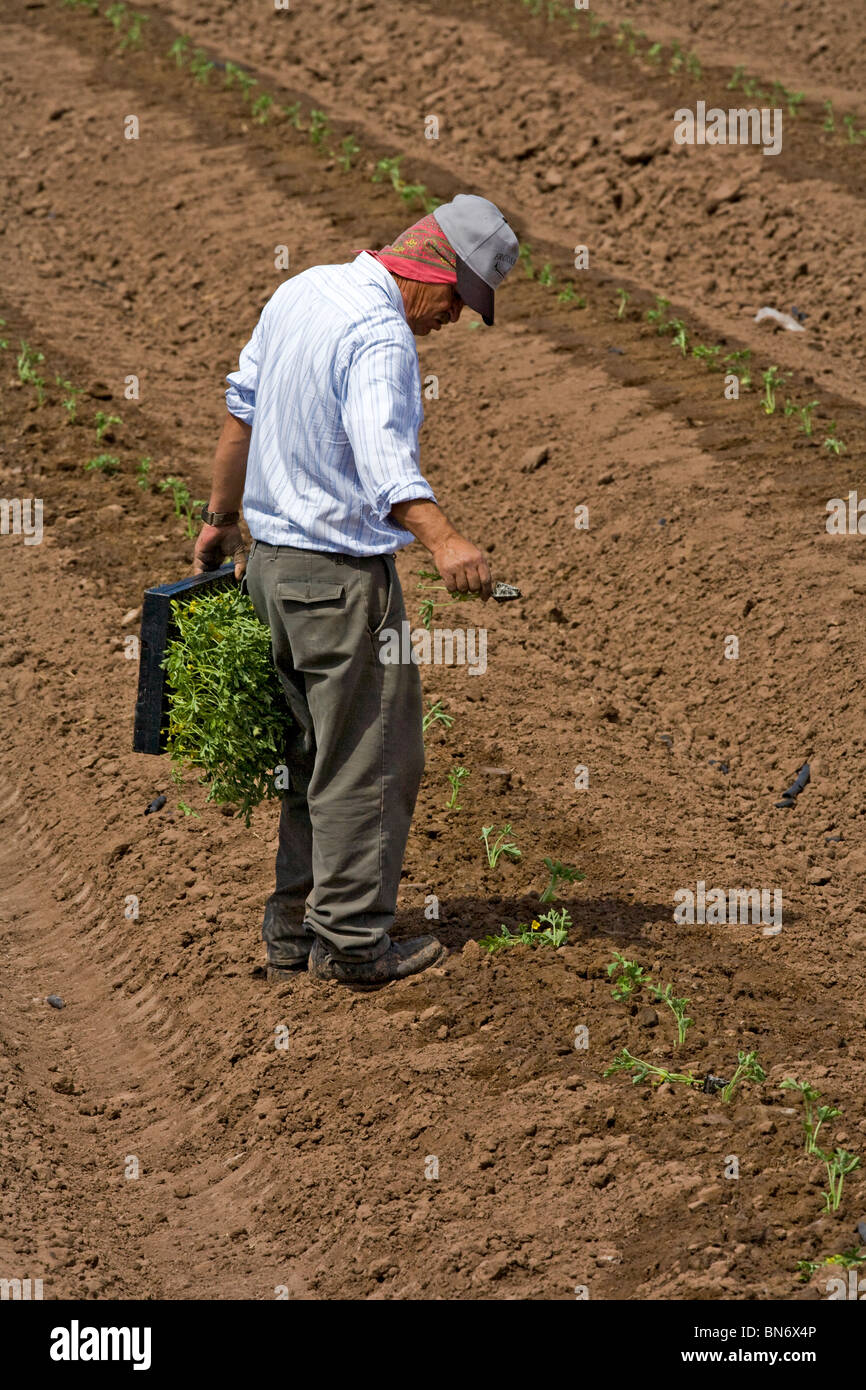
point(331, 384)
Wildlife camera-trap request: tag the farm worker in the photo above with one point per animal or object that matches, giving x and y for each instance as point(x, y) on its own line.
point(321, 443)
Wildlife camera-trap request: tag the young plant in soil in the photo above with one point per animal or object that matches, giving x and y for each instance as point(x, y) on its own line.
point(623, 297)
point(832, 443)
point(227, 716)
point(109, 464)
point(500, 845)
point(559, 873)
point(184, 504)
point(142, 473)
point(548, 929)
point(773, 379)
point(28, 361)
point(436, 715)
point(847, 1259)
point(103, 424)
point(626, 1061)
point(70, 398)
point(631, 977)
point(748, 1069)
point(814, 1116)
point(455, 777)
point(839, 1164)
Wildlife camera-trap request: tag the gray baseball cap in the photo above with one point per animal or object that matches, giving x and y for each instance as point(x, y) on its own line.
point(485, 246)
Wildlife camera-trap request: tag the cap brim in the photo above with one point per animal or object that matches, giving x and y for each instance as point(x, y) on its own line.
point(474, 291)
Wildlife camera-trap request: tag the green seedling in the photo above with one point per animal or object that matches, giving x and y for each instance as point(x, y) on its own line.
point(292, 114)
point(773, 379)
point(319, 128)
point(70, 398)
point(184, 504)
point(846, 1259)
point(28, 360)
point(348, 149)
point(654, 54)
point(428, 605)
point(829, 122)
point(201, 67)
point(559, 873)
point(657, 315)
point(794, 101)
point(678, 58)
point(132, 37)
point(676, 1005)
point(455, 777)
point(736, 78)
point(109, 464)
point(142, 473)
point(693, 67)
point(232, 74)
point(709, 355)
point(813, 1115)
point(500, 845)
point(187, 810)
point(854, 136)
point(546, 275)
point(436, 714)
point(626, 37)
point(748, 1069)
point(625, 1061)
point(596, 26)
point(104, 423)
point(525, 258)
point(806, 412)
point(413, 192)
point(832, 443)
point(628, 976)
point(4, 342)
point(623, 296)
point(227, 715)
point(739, 361)
point(180, 49)
point(388, 168)
point(115, 14)
point(260, 109)
point(680, 337)
point(548, 929)
point(838, 1164)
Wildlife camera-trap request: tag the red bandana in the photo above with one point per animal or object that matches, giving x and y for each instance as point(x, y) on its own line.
point(422, 252)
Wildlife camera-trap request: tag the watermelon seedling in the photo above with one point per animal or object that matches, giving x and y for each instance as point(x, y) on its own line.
point(626, 1061)
point(748, 1069)
point(564, 873)
point(548, 929)
point(838, 1164)
point(436, 714)
point(455, 777)
point(500, 845)
point(227, 717)
point(814, 1116)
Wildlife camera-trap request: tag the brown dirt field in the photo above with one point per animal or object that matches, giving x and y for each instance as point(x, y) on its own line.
point(305, 1168)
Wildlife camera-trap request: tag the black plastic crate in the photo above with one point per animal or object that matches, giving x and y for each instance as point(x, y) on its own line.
point(157, 630)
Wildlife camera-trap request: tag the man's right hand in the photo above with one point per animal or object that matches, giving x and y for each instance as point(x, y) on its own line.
point(463, 567)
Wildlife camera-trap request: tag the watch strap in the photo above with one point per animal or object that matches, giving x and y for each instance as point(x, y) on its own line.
point(219, 518)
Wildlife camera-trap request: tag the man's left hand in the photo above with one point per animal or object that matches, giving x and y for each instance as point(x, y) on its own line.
point(216, 544)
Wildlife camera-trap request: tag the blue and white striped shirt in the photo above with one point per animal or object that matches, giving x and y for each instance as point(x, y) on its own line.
point(331, 384)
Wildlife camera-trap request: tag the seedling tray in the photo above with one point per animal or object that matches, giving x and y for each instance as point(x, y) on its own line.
point(157, 630)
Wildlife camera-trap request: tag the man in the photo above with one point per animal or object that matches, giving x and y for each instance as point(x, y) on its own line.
point(324, 414)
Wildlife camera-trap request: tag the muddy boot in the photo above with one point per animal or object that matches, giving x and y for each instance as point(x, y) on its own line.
point(402, 958)
point(288, 962)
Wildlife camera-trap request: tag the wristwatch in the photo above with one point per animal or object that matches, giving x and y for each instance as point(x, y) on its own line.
point(219, 518)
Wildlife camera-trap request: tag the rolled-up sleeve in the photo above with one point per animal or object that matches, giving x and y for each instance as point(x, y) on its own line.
point(382, 414)
point(241, 393)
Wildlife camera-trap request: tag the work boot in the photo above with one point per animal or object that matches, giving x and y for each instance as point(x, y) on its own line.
point(283, 965)
point(402, 958)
